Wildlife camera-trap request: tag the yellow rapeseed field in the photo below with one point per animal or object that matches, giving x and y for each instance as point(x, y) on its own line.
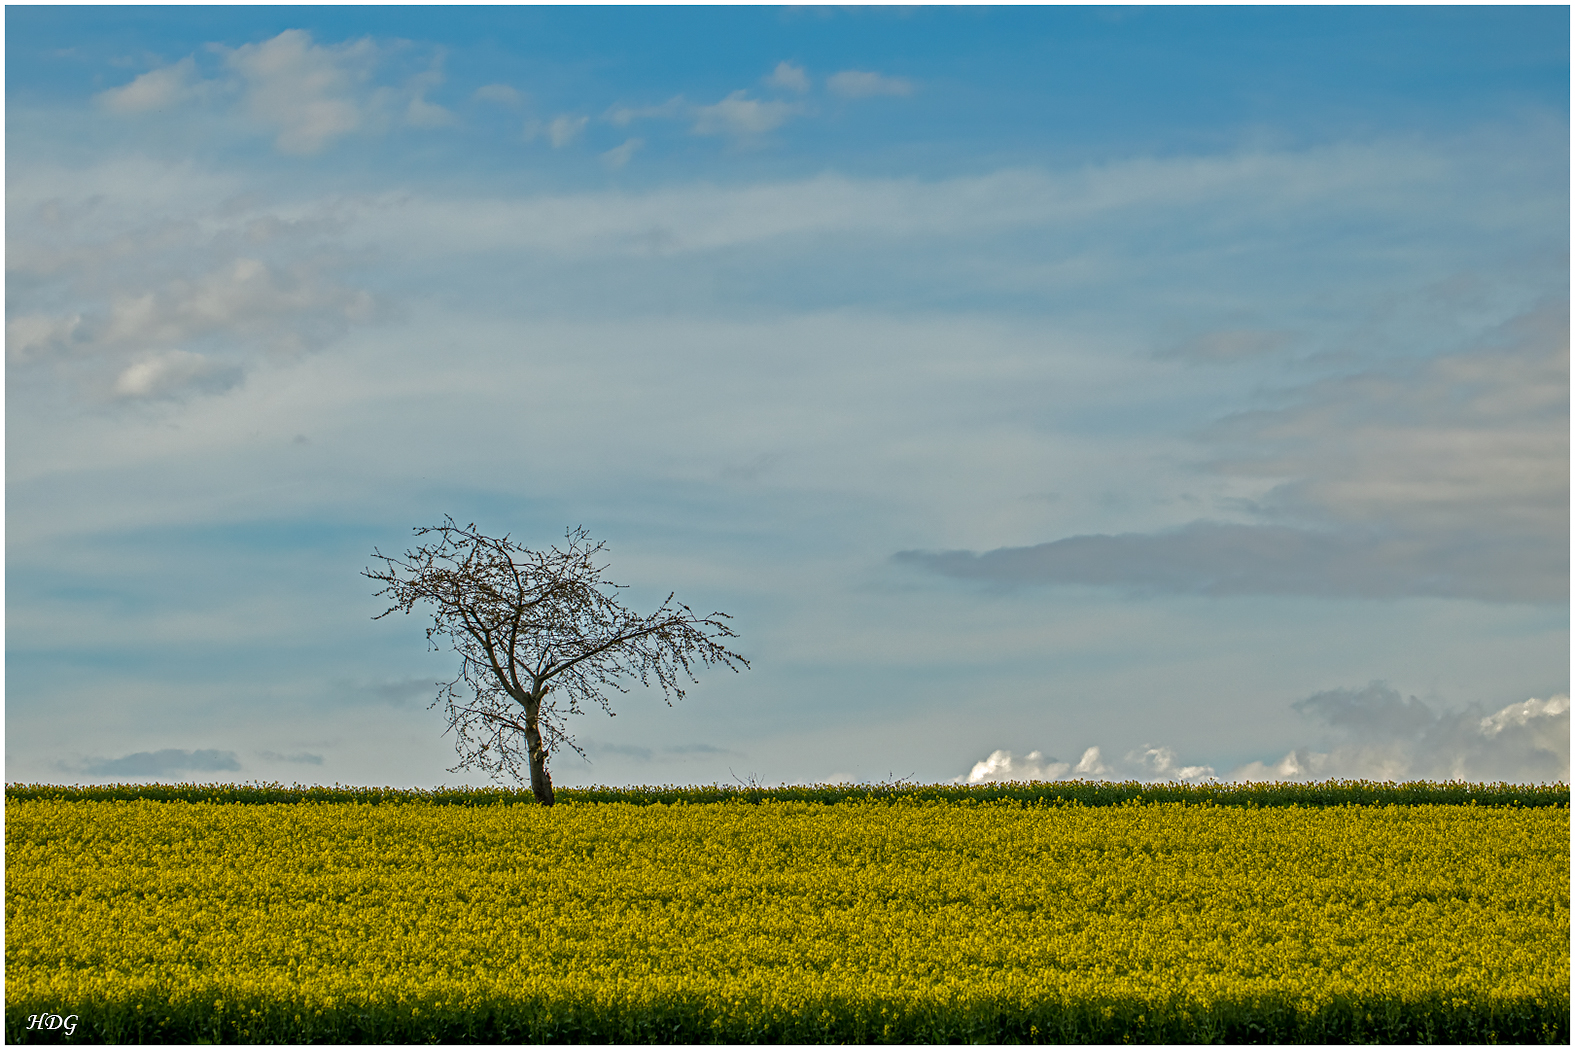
point(893, 920)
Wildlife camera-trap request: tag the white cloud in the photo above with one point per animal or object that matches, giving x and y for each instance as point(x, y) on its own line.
point(1146, 764)
point(853, 83)
point(153, 308)
point(245, 299)
point(1161, 762)
point(154, 90)
point(618, 156)
point(310, 93)
point(788, 76)
point(500, 93)
point(737, 114)
point(419, 113)
point(1525, 714)
point(1005, 766)
point(565, 129)
point(1091, 765)
point(33, 335)
point(172, 374)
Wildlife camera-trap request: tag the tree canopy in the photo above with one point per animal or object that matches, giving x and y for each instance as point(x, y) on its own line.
point(541, 635)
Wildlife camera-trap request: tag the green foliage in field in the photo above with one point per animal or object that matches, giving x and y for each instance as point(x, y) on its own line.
point(902, 921)
point(1083, 792)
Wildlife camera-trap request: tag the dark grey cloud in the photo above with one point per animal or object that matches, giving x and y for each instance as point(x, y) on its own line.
point(1378, 708)
point(1216, 558)
point(1374, 734)
point(163, 763)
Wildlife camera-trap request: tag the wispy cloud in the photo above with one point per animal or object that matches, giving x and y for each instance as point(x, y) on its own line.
point(673, 108)
point(1226, 345)
point(1448, 478)
point(564, 129)
point(304, 758)
point(619, 156)
point(699, 749)
point(311, 94)
point(308, 95)
point(403, 692)
point(1472, 444)
point(157, 89)
point(788, 76)
point(503, 94)
point(159, 310)
point(173, 373)
point(1221, 188)
point(668, 753)
point(854, 83)
point(419, 112)
point(742, 116)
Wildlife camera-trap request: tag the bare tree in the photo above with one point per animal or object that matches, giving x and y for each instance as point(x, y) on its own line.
point(528, 624)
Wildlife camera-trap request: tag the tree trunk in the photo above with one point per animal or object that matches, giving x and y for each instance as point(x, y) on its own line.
point(540, 780)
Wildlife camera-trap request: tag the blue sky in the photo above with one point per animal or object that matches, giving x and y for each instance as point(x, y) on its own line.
point(1051, 392)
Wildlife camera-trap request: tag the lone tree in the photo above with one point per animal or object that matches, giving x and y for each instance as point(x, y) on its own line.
point(527, 624)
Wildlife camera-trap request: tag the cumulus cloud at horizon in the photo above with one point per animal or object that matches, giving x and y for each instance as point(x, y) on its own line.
point(1143, 763)
point(1377, 735)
